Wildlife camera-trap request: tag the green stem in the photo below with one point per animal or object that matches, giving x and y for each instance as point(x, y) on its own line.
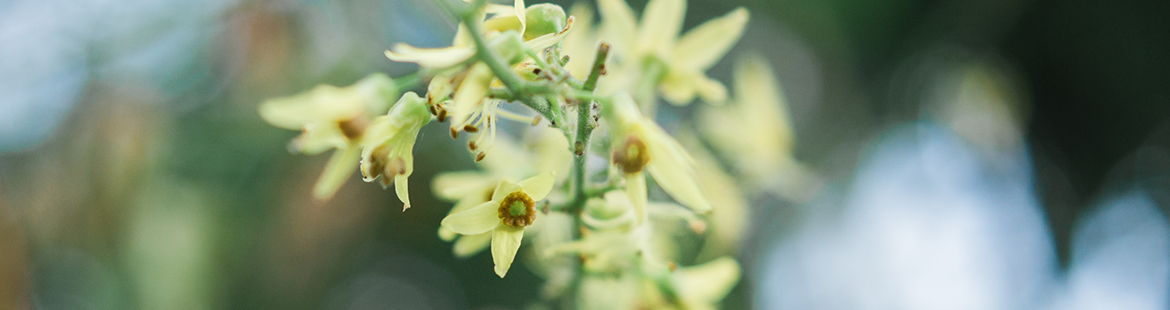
point(585, 129)
point(514, 84)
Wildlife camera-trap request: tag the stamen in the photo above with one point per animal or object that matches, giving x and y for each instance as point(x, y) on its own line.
point(632, 156)
point(471, 145)
point(479, 157)
point(470, 128)
point(454, 133)
point(536, 120)
point(353, 128)
point(517, 210)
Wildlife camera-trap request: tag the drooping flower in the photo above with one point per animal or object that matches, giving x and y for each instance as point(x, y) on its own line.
point(512, 207)
point(332, 117)
point(641, 145)
point(657, 42)
point(387, 150)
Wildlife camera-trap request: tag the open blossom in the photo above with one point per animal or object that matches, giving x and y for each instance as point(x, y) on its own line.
point(548, 151)
point(387, 150)
point(685, 59)
point(332, 117)
point(755, 130)
point(512, 207)
point(640, 144)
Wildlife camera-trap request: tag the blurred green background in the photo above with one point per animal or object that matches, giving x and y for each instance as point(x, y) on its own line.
point(135, 172)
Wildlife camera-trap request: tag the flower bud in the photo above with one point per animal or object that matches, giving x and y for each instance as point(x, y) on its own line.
point(542, 19)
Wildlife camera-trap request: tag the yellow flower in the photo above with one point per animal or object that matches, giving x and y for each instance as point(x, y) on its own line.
point(703, 286)
point(686, 58)
point(472, 188)
point(463, 48)
point(332, 118)
point(511, 208)
point(389, 143)
point(640, 144)
point(755, 132)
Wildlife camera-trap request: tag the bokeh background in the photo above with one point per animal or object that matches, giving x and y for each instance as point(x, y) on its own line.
point(995, 154)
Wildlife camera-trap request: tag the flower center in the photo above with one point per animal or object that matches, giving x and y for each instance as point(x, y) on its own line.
point(353, 128)
point(517, 209)
point(631, 157)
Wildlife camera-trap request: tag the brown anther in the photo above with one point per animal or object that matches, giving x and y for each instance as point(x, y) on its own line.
point(377, 162)
point(517, 209)
point(536, 71)
point(454, 133)
point(353, 128)
point(470, 128)
point(431, 108)
point(471, 145)
point(479, 157)
point(672, 266)
point(442, 115)
point(536, 120)
point(632, 156)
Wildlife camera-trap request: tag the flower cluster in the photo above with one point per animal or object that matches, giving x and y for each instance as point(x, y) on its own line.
point(585, 208)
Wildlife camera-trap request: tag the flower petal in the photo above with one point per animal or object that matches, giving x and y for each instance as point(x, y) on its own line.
point(318, 137)
point(704, 45)
point(459, 184)
point(506, 187)
point(341, 165)
point(545, 41)
point(430, 57)
point(447, 234)
point(505, 243)
point(709, 282)
point(711, 90)
point(471, 93)
point(678, 87)
point(670, 166)
point(618, 22)
point(762, 102)
point(636, 190)
point(539, 185)
point(520, 14)
point(474, 221)
point(470, 245)
point(661, 24)
point(400, 188)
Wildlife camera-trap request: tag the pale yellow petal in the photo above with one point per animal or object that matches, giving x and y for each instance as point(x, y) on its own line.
point(704, 45)
point(520, 9)
point(552, 152)
point(506, 187)
point(671, 166)
point(470, 245)
point(318, 137)
point(762, 102)
point(545, 41)
point(636, 189)
point(709, 282)
point(474, 221)
point(430, 57)
point(505, 243)
point(400, 188)
point(678, 87)
point(458, 184)
point(539, 185)
point(711, 90)
point(340, 166)
point(447, 234)
point(471, 93)
point(661, 23)
point(618, 22)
